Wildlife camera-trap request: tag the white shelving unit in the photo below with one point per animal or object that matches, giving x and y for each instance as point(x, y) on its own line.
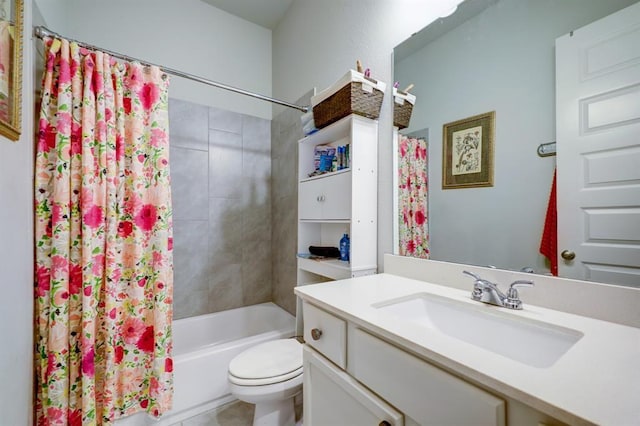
point(340, 202)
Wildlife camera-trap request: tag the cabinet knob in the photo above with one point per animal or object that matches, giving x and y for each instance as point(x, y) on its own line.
point(316, 333)
point(384, 423)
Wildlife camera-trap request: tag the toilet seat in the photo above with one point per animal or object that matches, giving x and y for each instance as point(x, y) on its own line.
point(268, 363)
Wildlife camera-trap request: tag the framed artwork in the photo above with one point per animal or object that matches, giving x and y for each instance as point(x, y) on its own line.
point(467, 154)
point(11, 14)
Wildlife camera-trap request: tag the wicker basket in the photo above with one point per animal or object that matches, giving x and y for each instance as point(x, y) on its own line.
point(402, 108)
point(351, 98)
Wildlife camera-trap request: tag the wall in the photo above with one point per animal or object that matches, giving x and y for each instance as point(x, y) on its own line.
point(221, 189)
point(186, 35)
point(314, 45)
point(502, 60)
point(286, 130)
point(16, 257)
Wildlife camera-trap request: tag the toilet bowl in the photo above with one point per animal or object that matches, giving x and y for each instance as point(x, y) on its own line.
point(269, 375)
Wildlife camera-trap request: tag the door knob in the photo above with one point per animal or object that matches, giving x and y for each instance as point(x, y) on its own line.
point(568, 255)
point(316, 333)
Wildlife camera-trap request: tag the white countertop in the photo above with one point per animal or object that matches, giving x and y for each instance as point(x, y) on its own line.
point(597, 381)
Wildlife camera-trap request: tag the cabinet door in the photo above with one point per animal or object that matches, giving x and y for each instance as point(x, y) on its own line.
point(309, 199)
point(333, 398)
point(326, 198)
point(422, 391)
point(336, 203)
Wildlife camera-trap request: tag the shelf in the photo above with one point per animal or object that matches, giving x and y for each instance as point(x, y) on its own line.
point(331, 133)
point(328, 221)
point(325, 175)
point(334, 268)
point(331, 268)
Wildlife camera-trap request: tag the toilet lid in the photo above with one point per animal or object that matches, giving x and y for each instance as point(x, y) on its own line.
point(270, 359)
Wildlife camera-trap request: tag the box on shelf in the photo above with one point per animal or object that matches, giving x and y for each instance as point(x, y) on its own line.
point(402, 108)
point(352, 94)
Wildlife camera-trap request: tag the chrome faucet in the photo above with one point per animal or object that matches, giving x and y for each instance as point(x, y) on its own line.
point(487, 292)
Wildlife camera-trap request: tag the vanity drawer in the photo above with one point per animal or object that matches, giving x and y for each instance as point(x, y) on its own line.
point(431, 396)
point(325, 333)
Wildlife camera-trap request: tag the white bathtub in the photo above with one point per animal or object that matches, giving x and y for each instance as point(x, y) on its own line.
point(204, 346)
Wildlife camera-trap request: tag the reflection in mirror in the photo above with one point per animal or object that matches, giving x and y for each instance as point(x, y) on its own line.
point(493, 55)
point(11, 14)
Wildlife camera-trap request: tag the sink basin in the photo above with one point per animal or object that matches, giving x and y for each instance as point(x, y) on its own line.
point(530, 342)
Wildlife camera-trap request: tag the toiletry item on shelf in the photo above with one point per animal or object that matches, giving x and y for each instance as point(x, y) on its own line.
point(325, 251)
point(323, 157)
point(344, 247)
point(347, 156)
point(326, 162)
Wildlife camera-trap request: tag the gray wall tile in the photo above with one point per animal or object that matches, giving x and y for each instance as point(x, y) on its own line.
point(256, 272)
point(189, 184)
point(257, 221)
point(220, 119)
point(188, 124)
point(222, 200)
point(256, 134)
point(225, 164)
point(191, 268)
point(225, 230)
point(225, 287)
point(286, 131)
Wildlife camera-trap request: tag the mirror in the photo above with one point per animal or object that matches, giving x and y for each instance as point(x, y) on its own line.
point(11, 16)
point(492, 55)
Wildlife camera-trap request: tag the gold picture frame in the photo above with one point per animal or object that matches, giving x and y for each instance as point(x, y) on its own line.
point(467, 154)
point(11, 41)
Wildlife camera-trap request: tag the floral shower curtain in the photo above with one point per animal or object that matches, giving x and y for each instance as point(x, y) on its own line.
point(412, 197)
point(103, 234)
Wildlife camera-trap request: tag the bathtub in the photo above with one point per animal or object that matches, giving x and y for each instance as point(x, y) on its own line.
point(203, 347)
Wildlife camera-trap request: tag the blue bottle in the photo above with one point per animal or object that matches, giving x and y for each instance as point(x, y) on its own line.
point(344, 247)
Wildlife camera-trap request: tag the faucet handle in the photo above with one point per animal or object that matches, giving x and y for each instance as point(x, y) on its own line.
point(513, 299)
point(478, 285)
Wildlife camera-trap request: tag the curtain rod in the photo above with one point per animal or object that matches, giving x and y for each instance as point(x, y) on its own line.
point(42, 32)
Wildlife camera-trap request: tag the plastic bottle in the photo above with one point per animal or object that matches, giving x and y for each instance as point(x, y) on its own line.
point(344, 247)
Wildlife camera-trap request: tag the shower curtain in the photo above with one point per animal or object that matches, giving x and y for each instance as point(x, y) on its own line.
point(412, 197)
point(103, 235)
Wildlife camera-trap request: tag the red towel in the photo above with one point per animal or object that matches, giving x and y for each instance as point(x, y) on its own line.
point(549, 243)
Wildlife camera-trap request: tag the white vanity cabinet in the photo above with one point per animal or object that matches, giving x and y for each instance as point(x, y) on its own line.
point(340, 202)
point(354, 377)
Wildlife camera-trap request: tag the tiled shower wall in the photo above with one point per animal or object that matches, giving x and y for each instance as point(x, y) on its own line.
point(286, 130)
point(221, 189)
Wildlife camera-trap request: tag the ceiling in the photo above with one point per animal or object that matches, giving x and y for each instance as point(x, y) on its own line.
point(266, 13)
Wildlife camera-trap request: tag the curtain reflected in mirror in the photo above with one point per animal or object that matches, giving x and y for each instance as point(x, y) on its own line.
point(11, 15)
point(413, 190)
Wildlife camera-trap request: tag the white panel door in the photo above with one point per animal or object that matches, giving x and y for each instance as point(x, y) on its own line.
point(598, 149)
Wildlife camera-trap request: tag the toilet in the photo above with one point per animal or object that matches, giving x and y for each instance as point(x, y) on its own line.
point(269, 375)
